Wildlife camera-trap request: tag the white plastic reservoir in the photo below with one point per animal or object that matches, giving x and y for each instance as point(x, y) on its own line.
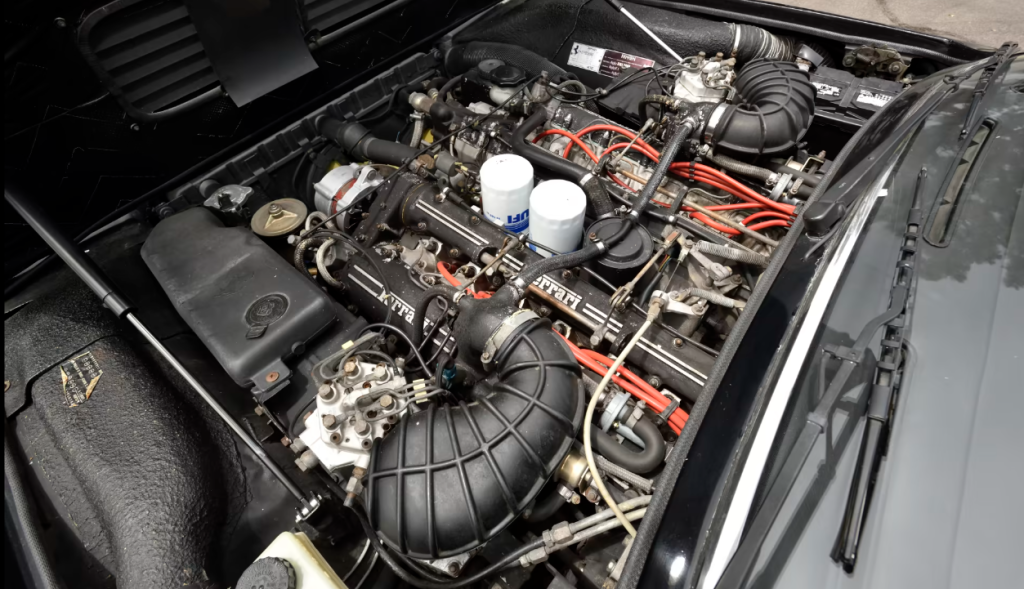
point(506, 181)
point(556, 216)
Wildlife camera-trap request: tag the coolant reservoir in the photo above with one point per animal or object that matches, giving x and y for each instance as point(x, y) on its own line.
point(557, 208)
point(291, 561)
point(506, 181)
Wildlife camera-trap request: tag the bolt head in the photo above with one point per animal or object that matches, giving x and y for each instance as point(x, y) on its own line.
point(566, 274)
point(895, 67)
point(486, 356)
point(454, 568)
point(454, 252)
point(593, 236)
point(273, 376)
point(678, 342)
point(59, 22)
point(474, 220)
point(421, 226)
point(325, 391)
point(386, 401)
point(351, 367)
point(329, 420)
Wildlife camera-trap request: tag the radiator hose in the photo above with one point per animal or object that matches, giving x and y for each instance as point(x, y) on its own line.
point(451, 478)
point(774, 111)
point(357, 140)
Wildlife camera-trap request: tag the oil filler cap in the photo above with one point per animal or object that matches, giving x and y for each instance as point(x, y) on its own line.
point(268, 573)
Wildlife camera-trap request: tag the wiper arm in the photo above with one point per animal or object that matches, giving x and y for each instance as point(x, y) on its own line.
point(1001, 56)
point(855, 359)
point(881, 403)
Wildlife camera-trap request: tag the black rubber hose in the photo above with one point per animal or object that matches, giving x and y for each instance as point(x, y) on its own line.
point(756, 43)
point(742, 168)
point(774, 110)
point(462, 58)
point(19, 504)
point(545, 507)
point(420, 311)
point(641, 462)
point(357, 140)
point(448, 87)
point(541, 157)
point(597, 195)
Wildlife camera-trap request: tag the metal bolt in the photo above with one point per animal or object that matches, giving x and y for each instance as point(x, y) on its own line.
point(592, 495)
point(59, 22)
point(275, 209)
point(421, 226)
point(429, 280)
point(325, 391)
point(474, 220)
point(486, 356)
point(258, 410)
point(351, 367)
point(611, 566)
point(358, 472)
point(453, 568)
point(678, 342)
point(566, 274)
point(895, 67)
point(654, 381)
point(383, 205)
point(454, 252)
point(361, 237)
point(273, 376)
point(439, 197)
point(386, 401)
point(361, 428)
point(286, 441)
point(329, 420)
point(135, 127)
point(593, 237)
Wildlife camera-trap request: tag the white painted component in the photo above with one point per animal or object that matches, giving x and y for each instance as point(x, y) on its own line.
point(311, 570)
point(556, 216)
point(506, 182)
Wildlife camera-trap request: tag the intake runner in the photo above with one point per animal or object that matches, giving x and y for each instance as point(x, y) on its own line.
point(450, 479)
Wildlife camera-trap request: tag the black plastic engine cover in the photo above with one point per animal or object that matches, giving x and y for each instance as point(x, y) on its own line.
point(244, 301)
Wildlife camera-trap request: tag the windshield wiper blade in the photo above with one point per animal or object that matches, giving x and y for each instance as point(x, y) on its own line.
point(857, 359)
point(882, 400)
point(981, 88)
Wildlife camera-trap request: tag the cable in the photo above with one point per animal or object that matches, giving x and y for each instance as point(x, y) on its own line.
point(405, 337)
point(365, 254)
point(588, 418)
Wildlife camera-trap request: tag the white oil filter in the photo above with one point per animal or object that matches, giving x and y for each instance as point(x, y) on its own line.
point(506, 181)
point(556, 216)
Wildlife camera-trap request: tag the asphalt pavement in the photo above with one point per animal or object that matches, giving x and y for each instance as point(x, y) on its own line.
point(983, 23)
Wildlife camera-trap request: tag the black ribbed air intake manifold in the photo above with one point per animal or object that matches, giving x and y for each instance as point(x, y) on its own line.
point(775, 104)
point(451, 478)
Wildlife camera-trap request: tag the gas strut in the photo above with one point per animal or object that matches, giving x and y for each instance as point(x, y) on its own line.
point(618, 6)
point(91, 274)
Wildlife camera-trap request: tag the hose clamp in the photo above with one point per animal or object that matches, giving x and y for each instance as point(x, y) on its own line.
point(502, 333)
point(780, 187)
point(713, 121)
point(583, 181)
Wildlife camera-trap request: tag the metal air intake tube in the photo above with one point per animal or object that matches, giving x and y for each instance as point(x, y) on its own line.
point(451, 478)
